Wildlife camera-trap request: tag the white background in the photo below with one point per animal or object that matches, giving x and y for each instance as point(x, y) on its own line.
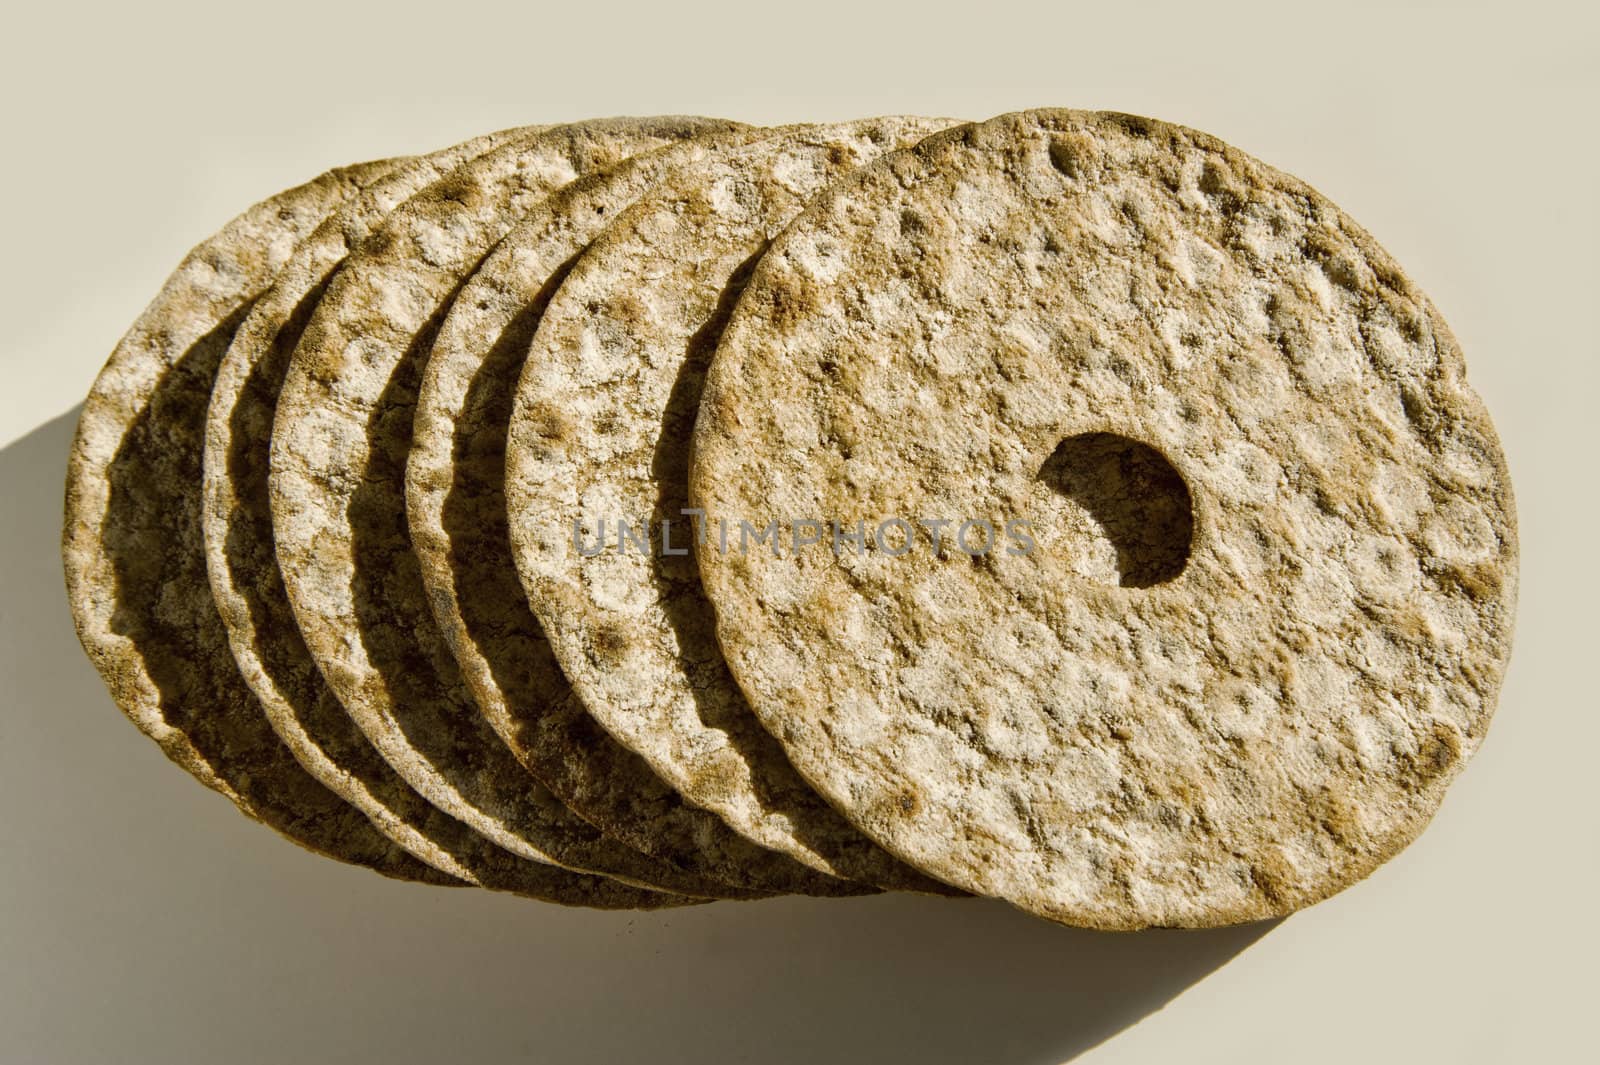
point(143, 920)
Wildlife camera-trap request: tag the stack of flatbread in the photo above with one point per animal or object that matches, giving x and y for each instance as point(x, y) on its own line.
point(1067, 508)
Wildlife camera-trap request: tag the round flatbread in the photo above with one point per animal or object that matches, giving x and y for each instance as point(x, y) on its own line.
point(1249, 709)
point(132, 547)
point(599, 436)
point(249, 593)
point(341, 432)
point(455, 501)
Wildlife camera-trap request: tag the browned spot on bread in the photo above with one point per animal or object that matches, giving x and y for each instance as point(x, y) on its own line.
point(550, 423)
point(1337, 816)
point(627, 309)
point(1439, 750)
point(1274, 877)
point(790, 303)
point(1074, 154)
point(608, 647)
point(458, 188)
point(1481, 582)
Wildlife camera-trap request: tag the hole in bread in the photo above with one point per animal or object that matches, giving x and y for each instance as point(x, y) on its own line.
point(1117, 508)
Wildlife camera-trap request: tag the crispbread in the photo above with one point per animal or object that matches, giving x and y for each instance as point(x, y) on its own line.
point(456, 506)
point(132, 548)
point(598, 435)
point(249, 591)
point(1224, 743)
point(340, 435)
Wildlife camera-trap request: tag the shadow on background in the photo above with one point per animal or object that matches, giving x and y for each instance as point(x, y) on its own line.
point(143, 920)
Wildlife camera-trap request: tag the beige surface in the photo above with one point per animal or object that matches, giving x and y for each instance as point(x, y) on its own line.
point(1457, 136)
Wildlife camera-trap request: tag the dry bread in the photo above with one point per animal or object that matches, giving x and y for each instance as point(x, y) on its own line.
point(249, 591)
point(598, 436)
point(132, 546)
point(455, 500)
point(1066, 508)
point(1221, 717)
point(340, 436)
